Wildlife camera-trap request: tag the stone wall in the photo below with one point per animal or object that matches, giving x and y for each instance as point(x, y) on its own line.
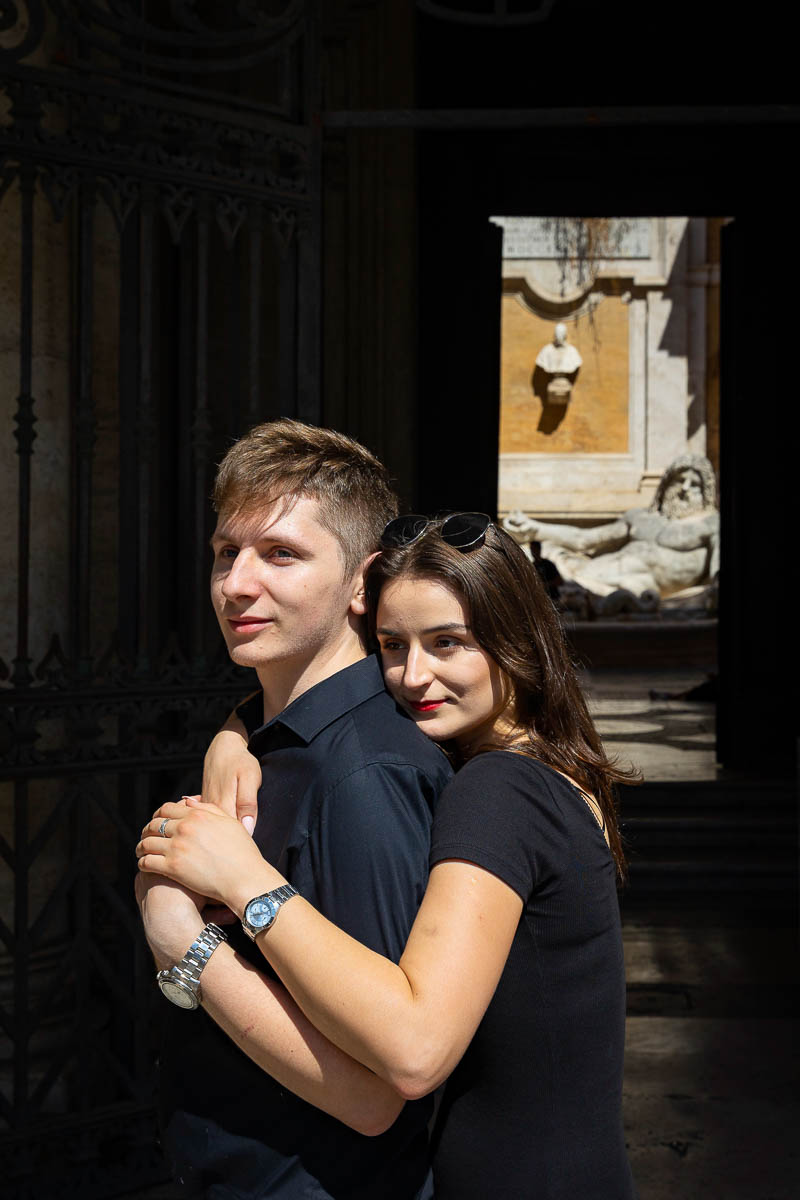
point(645, 322)
point(596, 420)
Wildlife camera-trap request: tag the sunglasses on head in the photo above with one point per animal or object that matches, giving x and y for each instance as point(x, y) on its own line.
point(463, 531)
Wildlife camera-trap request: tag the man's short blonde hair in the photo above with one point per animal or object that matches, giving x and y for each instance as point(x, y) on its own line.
point(285, 459)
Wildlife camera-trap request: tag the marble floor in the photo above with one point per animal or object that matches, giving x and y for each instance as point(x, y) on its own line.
point(712, 1104)
point(645, 720)
point(711, 1108)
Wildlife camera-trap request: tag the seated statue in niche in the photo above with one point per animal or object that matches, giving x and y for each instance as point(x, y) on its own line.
point(560, 363)
point(647, 556)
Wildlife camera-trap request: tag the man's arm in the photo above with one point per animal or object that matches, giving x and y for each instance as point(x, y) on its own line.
point(261, 1018)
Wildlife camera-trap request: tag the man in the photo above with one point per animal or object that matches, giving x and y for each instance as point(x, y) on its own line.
point(348, 784)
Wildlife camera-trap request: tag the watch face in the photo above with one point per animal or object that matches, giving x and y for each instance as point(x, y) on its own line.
point(261, 913)
point(178, 993)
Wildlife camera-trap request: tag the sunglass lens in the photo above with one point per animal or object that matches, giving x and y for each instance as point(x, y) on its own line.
point(464, 530)
point(403, 530)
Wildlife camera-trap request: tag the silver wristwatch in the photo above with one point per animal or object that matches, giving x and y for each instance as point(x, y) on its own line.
point(261, 911)
point(181, 983)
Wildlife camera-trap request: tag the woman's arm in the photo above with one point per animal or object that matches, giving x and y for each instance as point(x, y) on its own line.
point(231, 775)
point(409, 1022)
point(261, 1018)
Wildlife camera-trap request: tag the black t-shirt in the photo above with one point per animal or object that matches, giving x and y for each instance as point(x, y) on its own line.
point(345, 812)
point(533, 1110)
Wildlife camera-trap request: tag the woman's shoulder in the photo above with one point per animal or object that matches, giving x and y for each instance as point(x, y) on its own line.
point(507, 777)
point(520, 778)
point(508, 764)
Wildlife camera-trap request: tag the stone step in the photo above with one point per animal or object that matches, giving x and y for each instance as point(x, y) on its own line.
point(771, 873)
point(737, 883)
point(733, 838)
point(709, 796)
point(645, 833)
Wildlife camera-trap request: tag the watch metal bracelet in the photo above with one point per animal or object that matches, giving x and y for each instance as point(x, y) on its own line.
point(200, 952)
point(181, 982)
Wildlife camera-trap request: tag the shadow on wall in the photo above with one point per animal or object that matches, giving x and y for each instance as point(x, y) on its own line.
point(551, 415)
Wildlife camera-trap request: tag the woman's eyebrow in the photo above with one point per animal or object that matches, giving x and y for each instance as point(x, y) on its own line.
point(447, 628)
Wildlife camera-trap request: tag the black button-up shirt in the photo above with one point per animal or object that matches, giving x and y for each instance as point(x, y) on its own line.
point(345, 809)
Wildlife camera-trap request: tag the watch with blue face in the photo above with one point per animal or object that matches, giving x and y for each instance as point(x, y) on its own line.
point(261, 911)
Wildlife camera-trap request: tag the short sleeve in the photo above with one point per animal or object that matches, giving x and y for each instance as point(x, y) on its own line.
point(490, 813)
point(366, 858)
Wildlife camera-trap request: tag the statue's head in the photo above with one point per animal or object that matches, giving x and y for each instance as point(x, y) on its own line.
point(687, 487)
point(560, 334)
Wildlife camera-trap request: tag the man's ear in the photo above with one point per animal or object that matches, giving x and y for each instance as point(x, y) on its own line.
point(358, 600)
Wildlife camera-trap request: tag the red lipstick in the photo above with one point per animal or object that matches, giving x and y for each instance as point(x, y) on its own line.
point(425, 705)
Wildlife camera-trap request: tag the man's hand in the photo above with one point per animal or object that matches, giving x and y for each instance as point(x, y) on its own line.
point(231, 775)
point(171, 915)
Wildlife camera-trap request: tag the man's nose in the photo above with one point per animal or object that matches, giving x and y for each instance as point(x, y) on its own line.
point(243, 577)
point(417, 672)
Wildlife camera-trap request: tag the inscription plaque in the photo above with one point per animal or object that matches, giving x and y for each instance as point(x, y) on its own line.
point(556, 237)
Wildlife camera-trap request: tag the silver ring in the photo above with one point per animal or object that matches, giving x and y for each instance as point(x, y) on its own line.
point(162, 829)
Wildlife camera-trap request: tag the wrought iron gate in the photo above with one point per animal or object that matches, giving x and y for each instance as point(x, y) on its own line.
point(160, 237)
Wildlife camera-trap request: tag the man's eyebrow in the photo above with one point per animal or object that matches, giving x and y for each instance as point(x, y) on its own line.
point(450, 626)
point(224, 535)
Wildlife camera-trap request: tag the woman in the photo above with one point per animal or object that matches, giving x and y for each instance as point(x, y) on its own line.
point(511, 986)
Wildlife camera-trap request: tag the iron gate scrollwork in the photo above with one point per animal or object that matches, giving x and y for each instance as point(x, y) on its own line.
point(159, 205)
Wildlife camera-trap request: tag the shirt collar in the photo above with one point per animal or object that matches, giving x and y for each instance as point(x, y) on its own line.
point(327, 700)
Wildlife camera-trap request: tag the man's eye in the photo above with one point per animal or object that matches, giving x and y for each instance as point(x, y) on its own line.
point(281, 552)
point(228, 552)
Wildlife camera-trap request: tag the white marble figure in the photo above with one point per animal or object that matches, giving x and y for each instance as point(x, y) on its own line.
point(561, 362)
point(646, 556)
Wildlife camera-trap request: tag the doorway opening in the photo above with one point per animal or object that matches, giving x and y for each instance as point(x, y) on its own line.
point(608, 457)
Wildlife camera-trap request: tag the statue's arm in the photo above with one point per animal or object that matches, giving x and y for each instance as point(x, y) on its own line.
point(598, 540)
point(713, 561)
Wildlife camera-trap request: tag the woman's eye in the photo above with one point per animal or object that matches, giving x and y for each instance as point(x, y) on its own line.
point(446, 643)
point(389, 646)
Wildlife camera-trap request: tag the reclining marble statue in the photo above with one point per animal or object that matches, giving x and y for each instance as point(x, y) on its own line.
point(646, 556)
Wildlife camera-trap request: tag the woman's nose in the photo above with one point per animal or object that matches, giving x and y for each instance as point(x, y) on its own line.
point(417, 671)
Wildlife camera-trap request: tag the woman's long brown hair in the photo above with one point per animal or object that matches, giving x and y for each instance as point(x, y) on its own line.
point(514, 621)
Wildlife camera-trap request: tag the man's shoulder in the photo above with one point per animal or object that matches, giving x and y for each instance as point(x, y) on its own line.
point(377, 734)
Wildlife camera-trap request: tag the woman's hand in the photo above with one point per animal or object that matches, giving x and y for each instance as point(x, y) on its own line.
point(206, 851)
point(232, 775)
